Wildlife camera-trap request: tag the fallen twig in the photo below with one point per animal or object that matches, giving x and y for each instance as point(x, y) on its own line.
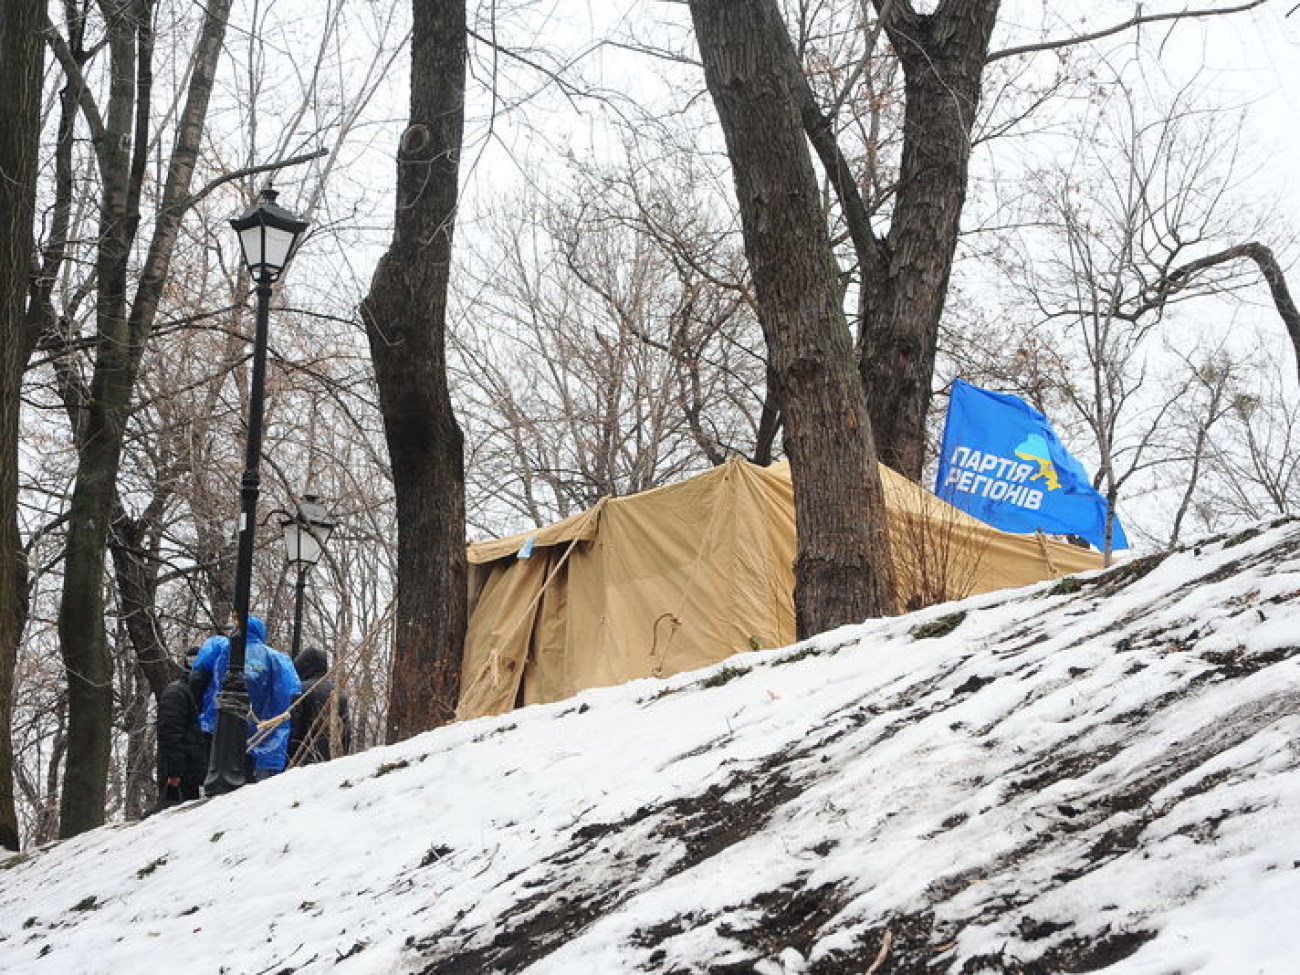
point(885, 944)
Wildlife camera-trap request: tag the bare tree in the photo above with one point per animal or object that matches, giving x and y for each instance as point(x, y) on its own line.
point(1108, 263)
point(1252, 462)
point(1209, 401)
point(905, 271)
point(21, 60)
point(607, 345)
point(405, 315)
point(842, 569)
point(119, 128)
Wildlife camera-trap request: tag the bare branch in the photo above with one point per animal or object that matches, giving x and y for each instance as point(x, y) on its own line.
point(68, 62)
point(253, 171)
point(1268, 267)
point(569, 90)
point(1136, 20)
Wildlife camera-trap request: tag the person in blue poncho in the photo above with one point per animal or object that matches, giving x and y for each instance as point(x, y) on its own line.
point(272, 686)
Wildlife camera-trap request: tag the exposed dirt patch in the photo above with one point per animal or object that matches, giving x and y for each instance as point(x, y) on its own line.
point(1242, 538)
point(150, 868)
point(435, 853)
point(1070, 956)
point(599, 870)
point(723, 676)
point(1238, 662)
point(15, 860)
point(391, 767)
point(937, 628)
point(1064, 763)
point(708, 824)
point(973, 684)
point(1067, 587)
point(791, 917)
point(1093, 954)
point(907, 944)
point(1034, 930)
point(1109, 583)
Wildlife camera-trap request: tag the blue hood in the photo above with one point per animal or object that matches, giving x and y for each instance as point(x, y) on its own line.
point(272, 685)
point(256, 630)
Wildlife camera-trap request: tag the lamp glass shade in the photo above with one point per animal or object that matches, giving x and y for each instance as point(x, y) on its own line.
point(268, 235)
point(306, 532)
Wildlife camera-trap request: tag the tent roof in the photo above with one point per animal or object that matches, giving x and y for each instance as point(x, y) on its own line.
point(901, 495)
point(581, 527)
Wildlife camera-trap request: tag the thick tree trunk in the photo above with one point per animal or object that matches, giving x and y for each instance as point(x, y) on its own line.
point(843, 570)
point(905, 284)
point(21, 57)
point(82, 637)
point(121, 141)
point(406, 317)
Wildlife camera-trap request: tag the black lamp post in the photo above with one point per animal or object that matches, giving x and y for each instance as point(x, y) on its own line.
point(305, 534)
point(269, 235)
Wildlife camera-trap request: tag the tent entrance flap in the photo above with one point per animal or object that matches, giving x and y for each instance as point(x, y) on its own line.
point(497, 640)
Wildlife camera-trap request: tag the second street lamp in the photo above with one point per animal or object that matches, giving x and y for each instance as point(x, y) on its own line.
point(268, 235)
point(305, 534)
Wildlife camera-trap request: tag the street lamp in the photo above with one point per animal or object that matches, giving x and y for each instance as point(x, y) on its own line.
point(268, 235)
point(305, 534)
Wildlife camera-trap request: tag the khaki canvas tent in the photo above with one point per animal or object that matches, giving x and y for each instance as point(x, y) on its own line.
point(682, 576)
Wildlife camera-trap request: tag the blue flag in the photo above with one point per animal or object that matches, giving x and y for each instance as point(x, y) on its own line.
point(1003, 463)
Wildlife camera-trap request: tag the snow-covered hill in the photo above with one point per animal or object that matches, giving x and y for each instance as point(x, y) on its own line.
point(1101, 773)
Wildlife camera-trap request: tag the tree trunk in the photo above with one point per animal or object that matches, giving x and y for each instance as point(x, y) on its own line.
point(46, 827)
point(843, 572)
point(139, 780)
point(121, 141)
point(406, 315)
point(135, 568)
point(21, 57)
point(905, 283)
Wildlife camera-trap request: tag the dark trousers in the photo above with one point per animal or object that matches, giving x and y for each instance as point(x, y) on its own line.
point(174, 795)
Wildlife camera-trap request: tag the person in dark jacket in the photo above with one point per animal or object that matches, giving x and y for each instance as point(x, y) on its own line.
point(309, 739)
point(182, 745)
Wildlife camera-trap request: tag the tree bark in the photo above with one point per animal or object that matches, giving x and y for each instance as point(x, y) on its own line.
point(139, 777)
point(405, 315)
point(905, 282)
point(82, 636)
point(21, 65)
point(843, 572)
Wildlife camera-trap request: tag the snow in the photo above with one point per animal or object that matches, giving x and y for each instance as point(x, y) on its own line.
point(1103, 774)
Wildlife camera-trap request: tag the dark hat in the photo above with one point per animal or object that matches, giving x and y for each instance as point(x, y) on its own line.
point(191, 655)
point(311, 663)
